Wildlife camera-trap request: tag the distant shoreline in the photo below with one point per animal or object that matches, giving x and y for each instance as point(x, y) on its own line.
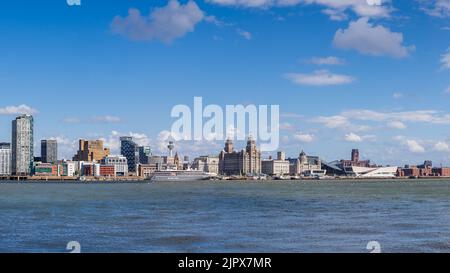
point(143, 181)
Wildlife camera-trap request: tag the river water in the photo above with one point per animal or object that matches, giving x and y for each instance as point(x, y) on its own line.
point(314, 216)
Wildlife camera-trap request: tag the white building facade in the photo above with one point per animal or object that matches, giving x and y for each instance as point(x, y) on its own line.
point(5, 159)
point(119, 162)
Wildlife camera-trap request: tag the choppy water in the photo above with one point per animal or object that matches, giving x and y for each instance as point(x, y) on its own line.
point(412, 216)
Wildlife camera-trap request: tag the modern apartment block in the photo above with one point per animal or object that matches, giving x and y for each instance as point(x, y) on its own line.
point(91, 150)
point(5, 158)
point(49, 151)
point(22, 152)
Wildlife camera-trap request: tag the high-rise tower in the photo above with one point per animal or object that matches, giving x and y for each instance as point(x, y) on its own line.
point(22, 145)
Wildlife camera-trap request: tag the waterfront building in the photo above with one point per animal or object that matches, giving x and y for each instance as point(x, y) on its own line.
point(333, 168)
point(5, 159)
point(304, 164)
point(22, 152)
point(373, 172)
point(147, 170)
point(119, 162)
point(130, 150)
point(107, 170)
point(276, 167)
point(209, 164)
point(91, 151)
point(145, 152)
point(441, 171)
point(46, 169)
point(90, 169)
point(355, 161)
point(244, 162)
point(426, 169)
point(69, 168)
point(49, 151)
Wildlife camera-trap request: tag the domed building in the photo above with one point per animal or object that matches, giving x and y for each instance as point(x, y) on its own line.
point(304, 163)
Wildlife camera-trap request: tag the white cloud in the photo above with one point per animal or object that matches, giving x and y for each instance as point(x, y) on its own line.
point(332, 121)
point(287, 126)
point(396, 125)
point(193, 148)
point(447, 91)
point(445, 60)
point(112, 140)
point(414, 146)
point(437, 8)
point(398, 95)
point(441, 147)
point(319, 78)
point(368, 39)
point(66, 147)
point(336, 9)
point(351, 137)
point(330, 60)
point(71, 120)
point(18, 110)
point(304, 137)
point(164, 23)
point(140, 139)
point(245, 34)
point(105, 119)
point(430, 116)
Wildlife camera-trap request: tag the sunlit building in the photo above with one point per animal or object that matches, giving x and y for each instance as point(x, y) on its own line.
point(5, 158)
point(244, 162)
point(22, 152)
point(91, 150)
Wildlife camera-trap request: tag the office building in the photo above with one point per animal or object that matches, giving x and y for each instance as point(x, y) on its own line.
point(46, 169)
point(209, 164)
point(91, 151)
point(145, 153)
point(22, 152)
point(49, 151)
point(120, 164)
point(130, 150)
point(276, 167)
point(244, 162)
point(5, 159)
point(304, 164)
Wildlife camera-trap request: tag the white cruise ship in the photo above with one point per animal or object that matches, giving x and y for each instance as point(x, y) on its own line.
point(180, 175)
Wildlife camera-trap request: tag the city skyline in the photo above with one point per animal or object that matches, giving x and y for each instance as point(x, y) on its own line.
point(89, 76)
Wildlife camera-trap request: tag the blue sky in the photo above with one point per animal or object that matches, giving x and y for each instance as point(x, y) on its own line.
point(346, 75)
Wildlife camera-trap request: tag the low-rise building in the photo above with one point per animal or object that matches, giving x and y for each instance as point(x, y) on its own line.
point(46, 169)
point(147, 170)
point(304, 163)
point(209, 164)
point(276, 167)
point(89, 169)
point(442, 171)
point(107, 170)
point(119, 162)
